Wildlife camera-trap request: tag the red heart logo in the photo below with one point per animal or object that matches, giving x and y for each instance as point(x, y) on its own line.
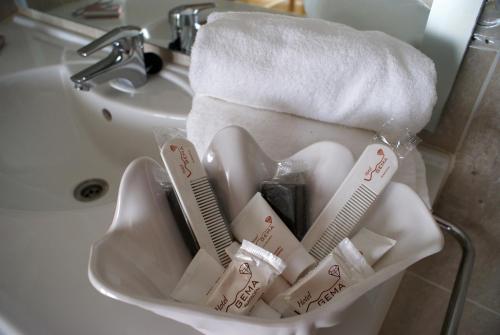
point(380, 152)
point(173, 147)
point(269, 219)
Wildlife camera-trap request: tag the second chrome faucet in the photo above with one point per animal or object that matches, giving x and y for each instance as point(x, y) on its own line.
point(184, 23)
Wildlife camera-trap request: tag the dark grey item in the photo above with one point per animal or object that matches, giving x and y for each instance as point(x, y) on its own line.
point(289, 201)
point(180, 219)
point(462, 279)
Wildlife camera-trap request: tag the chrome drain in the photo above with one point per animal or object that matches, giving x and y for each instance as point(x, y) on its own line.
point(90, 190)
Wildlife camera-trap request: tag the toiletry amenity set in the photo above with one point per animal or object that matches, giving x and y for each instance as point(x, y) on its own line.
point(144, 259)
point(233, 237)
point(269, 247)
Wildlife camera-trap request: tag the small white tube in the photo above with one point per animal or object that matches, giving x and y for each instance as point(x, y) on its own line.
point(342, 268)
point(258, 223)
point(199, 278)
point(245, 279)
point(372, 245)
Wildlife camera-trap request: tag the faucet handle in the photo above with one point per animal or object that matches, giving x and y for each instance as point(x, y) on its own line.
point(177, 15)
point(111, 37)
point(184, 22)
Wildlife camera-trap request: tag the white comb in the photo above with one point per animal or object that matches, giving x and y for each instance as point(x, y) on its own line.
point(197, 198)
point(364, 183)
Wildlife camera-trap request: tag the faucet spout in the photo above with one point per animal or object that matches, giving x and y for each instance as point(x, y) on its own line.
point(125, 62)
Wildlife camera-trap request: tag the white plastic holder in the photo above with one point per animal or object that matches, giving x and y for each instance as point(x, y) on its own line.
point(142, 255)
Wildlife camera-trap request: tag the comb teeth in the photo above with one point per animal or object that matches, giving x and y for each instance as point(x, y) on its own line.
point(212, 216)
point(344, 222)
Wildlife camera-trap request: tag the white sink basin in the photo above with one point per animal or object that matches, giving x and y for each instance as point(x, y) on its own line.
point(52, 136)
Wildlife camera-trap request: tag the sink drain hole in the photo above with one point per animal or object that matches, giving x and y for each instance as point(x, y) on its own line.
point(90, 190)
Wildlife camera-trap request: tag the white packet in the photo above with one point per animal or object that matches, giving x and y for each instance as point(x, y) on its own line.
point(198, 279)
point(372, 245)
point(245, 279)
point(344, 267)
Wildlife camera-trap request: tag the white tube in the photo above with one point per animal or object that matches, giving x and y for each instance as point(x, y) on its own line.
point(273, 296)
point(245, 279)
point(342, 268)
point(199, 278)
point(258, 223)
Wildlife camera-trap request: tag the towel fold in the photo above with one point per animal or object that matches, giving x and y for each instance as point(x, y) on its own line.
point(209, 115)
point(313, 68)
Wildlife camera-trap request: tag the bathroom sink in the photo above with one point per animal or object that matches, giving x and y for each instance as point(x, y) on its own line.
point(53, 137)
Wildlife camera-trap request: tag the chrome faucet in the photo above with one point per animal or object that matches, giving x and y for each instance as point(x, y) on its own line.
point(125, 61)
point(184, 23)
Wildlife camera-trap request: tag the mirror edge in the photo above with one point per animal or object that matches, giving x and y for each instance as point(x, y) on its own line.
point(447, 36)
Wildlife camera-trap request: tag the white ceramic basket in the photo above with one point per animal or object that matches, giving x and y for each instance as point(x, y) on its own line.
point(141, 257)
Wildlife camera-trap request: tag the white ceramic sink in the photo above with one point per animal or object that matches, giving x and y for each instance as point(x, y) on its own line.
point(51, 138)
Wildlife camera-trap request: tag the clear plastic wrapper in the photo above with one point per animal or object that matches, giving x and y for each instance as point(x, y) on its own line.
point(165, 134)
point(401, 140)
point(286, 193)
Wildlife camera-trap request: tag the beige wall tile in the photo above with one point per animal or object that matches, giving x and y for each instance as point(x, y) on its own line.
point(477, 321)
point(471, 200)
point(418, 308)
point(460, 103)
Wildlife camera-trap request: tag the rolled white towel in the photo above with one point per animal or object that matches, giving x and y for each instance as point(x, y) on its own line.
point(313, 68)
point(281, 135)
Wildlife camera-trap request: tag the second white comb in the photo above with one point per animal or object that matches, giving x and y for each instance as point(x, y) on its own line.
point(364, 183)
